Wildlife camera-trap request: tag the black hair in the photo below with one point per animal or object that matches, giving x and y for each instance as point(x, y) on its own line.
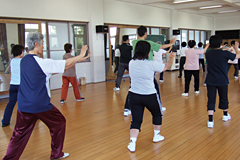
point(142, 50)
point(183, 44)
point(125, 38)
point(200, 44)
point(215, 41)
point(225, 43)
point(141, 31)
point(232, 43)
point(191, 43)
point(17, 50)
point(68, 47)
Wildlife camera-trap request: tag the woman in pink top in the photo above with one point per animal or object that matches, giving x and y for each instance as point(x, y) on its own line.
point(192, 66)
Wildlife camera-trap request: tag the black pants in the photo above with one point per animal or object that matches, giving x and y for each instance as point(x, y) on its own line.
point(121, 69)
point(238, 64)
point(161, 76)
point(201, 61)
point(117, 64)
point(182, 62)
point(236, 68)
point(188, 75)
point(138, 103)
point(223, 97)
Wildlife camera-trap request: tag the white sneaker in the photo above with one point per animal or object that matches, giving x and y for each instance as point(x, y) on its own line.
point(239, 72)
point(197, 92)
point(204, 84)
point(116, 88)
point(226, 118)
point(210, 124)
point(129, 112)
point(158, 138)
point(236, 77)
point(161, 80)
point(126, 112)
point(185, 94)
point(163, 108)
point(131, 147)
point(64, 156)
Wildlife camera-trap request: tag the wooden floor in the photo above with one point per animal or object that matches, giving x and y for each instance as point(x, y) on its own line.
point(97, 129)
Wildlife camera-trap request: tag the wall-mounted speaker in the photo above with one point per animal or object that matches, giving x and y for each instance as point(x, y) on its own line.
point(101, 29)
point(176, 32)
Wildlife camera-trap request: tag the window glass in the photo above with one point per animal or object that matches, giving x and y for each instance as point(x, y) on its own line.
point(203, 36)
point(197, 37)
point(185, 36)
point(165, 32)
point(155, 31)
point(191, 35)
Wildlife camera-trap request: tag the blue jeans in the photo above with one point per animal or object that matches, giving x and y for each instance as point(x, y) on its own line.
point(13, 92)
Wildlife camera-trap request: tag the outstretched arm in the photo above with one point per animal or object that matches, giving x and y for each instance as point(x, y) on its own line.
point(236, 49)
point(170, 62)
point(172, 41)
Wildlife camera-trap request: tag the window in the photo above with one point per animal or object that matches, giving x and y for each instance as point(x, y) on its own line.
point(165, 31)
point(191, 35)
point(197, 37)
point(185, 36)
point(155, 31)
point(203, 37)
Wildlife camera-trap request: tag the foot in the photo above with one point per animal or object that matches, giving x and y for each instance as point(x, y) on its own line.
point(226, 118)
point(127, 112)
point(197, 92)
point(5, 125)
point(161, 80)
point(62, 101)
point(131, 147)
point(163, 108)
point(236, 77)
point(64, 156)
point(81, 99)
point(210, 124)
point(116, 88)
point(185, 94)
point(158, 138)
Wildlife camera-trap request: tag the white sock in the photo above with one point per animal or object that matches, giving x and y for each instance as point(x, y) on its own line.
point(133, 140)
point(156, 132)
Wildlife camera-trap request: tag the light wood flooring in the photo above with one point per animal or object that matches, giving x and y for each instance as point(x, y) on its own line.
point(97, 129)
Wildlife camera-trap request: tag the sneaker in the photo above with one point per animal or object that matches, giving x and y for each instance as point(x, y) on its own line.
point(161, 80)
point(210, 124)
point(226, 118)
point(236, 77)
point(131, 146)
point(163, 108)
point(62, 101)
point(129, 112)
point(126, 112)
point(239, 72)
point(197, 92)
point(158, 138)
point(116, 88)
point(81, 99)
point(185, 94)
point(64, 156)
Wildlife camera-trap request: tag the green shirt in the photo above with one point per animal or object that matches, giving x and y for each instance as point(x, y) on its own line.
point(154, 47)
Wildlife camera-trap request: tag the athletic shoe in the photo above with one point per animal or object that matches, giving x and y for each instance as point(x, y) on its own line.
point(236, 77)
point(239, 72)
point(210, 124)
point(62, 101)
point(163, 108)
point(126, 112)
point(197, 92)
point(131, 146)
point(129, 112)
point(64, 156)
point(81, 99)
point(185, 94)
point(116, 88)
point(158, 138)
point(161, 80)
point(226, 118)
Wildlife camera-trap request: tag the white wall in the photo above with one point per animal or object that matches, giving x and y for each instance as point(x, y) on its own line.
point(227, 22)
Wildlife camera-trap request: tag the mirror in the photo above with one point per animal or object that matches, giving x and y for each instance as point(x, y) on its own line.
point(12, 32)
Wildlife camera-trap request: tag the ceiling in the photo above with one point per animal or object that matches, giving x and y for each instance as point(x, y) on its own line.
point(194, 6)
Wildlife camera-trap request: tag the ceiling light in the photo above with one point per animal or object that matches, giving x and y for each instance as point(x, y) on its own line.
point(182, 1)
point(228, 11)
point(210, 7)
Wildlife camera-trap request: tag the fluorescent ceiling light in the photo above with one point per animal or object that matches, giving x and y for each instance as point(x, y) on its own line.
point(228, 11)
point(181, 1)
point(210, 7)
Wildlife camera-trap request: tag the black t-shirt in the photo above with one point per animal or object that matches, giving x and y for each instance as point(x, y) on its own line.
point(126, 53)
point(217, 66)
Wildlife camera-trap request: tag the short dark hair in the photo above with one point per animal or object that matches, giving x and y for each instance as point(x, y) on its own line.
point(141, 31)
point(68, 47)
point(142, 50)
point(17, 50)
point(225, 43)
point(200, 44)
point(183, 44)
point(125, 38)
point(215, 41)
point(191, 43)
point(232, 43)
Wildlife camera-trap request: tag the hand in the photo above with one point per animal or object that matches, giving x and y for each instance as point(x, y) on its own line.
point(207, 45)
point(89, 53)
point(172, 55)
point(84, 50)
point(236, 44)
point(172, 41)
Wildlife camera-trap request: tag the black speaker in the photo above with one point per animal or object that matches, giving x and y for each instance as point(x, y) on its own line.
point(176, 32)
point(101, 29)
